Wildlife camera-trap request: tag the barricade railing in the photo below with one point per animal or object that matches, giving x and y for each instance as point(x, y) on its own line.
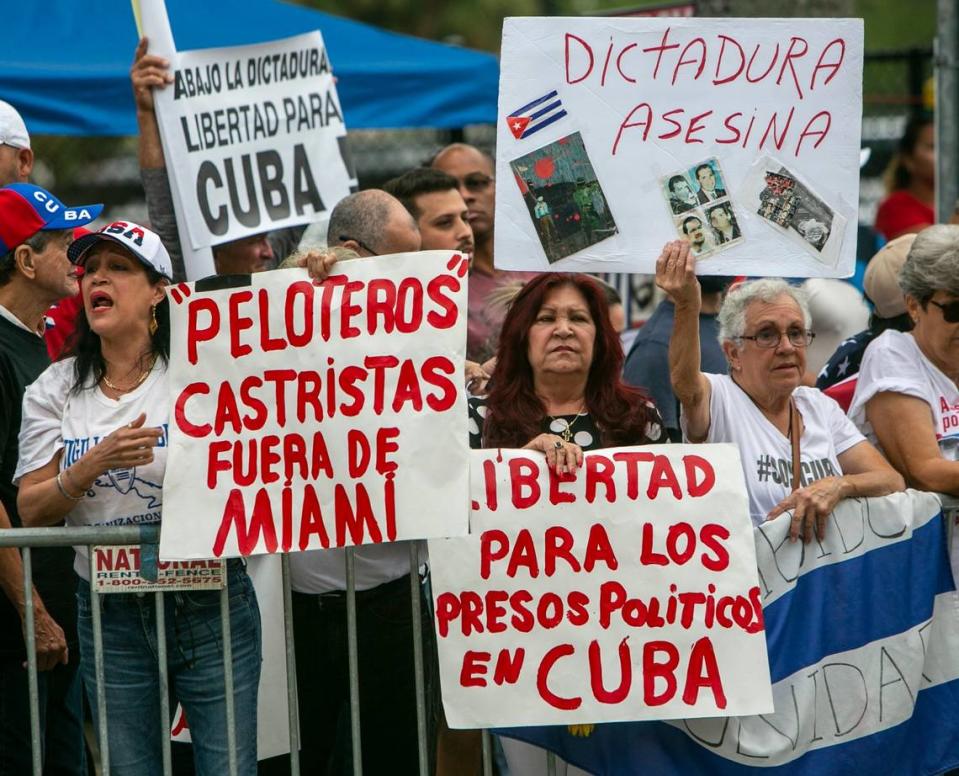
point(28, 538)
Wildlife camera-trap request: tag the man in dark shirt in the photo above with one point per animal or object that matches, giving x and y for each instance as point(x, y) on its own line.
point(647, 365)
point(35, 230)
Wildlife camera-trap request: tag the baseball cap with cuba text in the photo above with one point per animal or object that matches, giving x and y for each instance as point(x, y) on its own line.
point(138, 240)
point(26, 209)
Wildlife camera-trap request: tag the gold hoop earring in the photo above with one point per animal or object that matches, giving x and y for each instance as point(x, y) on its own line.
point(153, 320)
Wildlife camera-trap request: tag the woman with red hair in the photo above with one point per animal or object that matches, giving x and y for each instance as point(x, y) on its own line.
point(558, 385)
point(558, 389)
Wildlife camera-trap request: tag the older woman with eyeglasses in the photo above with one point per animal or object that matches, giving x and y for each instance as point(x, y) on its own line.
point(907, 399)
point(799, 452)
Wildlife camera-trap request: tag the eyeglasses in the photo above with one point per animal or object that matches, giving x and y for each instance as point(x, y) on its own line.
point(950, 310)
point(476, 182)
point(771, 337)
point(343, 238)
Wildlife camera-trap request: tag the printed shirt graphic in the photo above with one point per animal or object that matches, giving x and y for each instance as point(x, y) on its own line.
point(894, 363)
point(767, 453)
point(56, 419)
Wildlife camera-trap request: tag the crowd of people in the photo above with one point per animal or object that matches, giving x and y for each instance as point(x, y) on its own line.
point(545, 370)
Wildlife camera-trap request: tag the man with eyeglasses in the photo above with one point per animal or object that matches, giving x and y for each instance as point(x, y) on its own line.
point(367, 223)
point(473, 171)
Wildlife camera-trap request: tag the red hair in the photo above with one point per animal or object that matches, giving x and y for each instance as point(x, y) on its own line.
point(516, 413)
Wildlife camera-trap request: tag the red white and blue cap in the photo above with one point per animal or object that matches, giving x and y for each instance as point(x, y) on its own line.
point(26, 209)
point(138, 240)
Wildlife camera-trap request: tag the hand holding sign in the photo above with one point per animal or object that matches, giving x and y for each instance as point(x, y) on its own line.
point(676, 275)
point(147, 73)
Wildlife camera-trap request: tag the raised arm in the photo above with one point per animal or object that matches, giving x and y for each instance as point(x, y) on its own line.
point(676, 275)
point(147, 73)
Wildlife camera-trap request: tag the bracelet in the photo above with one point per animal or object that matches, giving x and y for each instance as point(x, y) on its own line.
point(63, 490)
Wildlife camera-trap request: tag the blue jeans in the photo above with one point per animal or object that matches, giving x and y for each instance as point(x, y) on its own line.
point(195, 665)
point(61, 720)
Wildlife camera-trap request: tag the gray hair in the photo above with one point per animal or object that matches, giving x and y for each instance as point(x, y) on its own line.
point(362, 217)
point(732, 315)
point(932, 264)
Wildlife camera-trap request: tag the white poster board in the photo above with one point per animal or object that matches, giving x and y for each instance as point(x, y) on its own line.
point(616, 135)
point(626, 592)
point(254, 140)
point(314, 416)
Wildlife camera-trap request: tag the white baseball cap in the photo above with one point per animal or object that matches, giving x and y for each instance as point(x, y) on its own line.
point(140, 241)
point(13, 132)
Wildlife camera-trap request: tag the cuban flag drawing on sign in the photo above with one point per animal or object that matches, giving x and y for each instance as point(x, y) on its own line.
point(863, 640)
point(536, 115)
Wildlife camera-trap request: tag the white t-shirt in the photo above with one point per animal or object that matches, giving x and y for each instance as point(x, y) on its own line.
point(766, 452)
point(323, 571)
point(894, 363)
point(54, 419)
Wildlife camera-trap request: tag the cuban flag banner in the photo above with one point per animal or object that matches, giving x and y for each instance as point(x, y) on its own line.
point(536, 115)
point(862, 632)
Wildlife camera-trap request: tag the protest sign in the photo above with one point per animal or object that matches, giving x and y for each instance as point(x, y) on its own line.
point(254, 139)
point(313, 416)
point(627, 591)
point(740, 135)
point(863, 644)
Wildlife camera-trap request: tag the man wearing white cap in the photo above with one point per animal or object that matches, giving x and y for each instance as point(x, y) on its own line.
point(35, 230)
point(16, 157)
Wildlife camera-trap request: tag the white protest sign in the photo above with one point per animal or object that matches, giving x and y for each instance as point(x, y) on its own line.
point(314, 416)
point(627, 591)
point(253, 138)
point(616, 135)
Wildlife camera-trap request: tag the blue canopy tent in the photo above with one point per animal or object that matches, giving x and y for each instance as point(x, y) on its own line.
point(65, 65)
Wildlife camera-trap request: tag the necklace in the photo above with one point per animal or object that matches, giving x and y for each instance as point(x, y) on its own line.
point(567, 433)
point(139, 380)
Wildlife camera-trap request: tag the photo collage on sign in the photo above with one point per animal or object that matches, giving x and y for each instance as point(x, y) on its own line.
point(789, 205)
point(565, 201)
point(701, 208)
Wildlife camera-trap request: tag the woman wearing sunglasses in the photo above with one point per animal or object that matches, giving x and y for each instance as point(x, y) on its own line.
point(799, 452)
point(907, 399)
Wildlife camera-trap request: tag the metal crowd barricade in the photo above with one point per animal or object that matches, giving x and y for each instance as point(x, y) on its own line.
point(27, 538)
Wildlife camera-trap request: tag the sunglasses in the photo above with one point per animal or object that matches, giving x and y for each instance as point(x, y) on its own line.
point(477, 181)
point(950, 310)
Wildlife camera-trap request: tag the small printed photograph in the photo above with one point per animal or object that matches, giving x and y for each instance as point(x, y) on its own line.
point(789, 204)
point(708, 181)
point(680, 193)
point(723, 224)
point(565, 200)
point(694, 227)
point(778, 199)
